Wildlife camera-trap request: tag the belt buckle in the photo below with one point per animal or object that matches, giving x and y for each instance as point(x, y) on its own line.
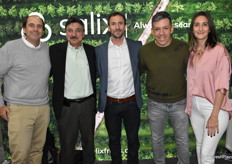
point(76, 100)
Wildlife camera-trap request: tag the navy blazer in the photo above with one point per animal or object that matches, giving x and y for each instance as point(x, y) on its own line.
point(58, 62)
point(102, 71)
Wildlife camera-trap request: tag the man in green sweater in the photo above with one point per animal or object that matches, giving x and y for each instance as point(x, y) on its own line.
point(165, 61)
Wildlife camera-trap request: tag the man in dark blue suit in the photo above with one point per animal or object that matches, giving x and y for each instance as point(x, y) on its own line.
point(120, 93)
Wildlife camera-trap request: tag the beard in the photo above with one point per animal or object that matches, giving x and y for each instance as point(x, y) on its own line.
point(117, 36)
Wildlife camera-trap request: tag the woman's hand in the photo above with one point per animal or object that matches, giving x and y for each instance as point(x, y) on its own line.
point(212, 126)
point(212, 123)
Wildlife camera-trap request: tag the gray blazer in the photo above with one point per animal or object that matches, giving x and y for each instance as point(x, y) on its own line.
point(102, 71)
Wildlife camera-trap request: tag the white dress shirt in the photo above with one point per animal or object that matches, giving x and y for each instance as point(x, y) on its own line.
point(29, 44)
point(77, 74)
point(120, 76)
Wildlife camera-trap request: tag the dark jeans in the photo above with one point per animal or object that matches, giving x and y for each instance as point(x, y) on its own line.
point(129, 113)
point(77, 117)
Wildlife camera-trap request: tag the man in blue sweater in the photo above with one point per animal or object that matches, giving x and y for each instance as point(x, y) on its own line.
point(25, 68)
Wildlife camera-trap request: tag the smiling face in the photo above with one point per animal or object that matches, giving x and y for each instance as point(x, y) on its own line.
point(117, 26)
point(162, 31)
point(201, 28)
point(33, 30)
point(75, 34)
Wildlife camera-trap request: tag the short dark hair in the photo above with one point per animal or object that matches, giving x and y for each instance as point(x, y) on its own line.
point(115, 14)
point(212, 36)
point(74, 19)
point(161, 15)
point(25, 22)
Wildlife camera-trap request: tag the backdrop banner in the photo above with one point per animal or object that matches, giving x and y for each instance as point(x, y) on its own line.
point(94, 14)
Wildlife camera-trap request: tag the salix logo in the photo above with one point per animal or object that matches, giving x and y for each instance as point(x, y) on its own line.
point(94, 24)
point(91, 24)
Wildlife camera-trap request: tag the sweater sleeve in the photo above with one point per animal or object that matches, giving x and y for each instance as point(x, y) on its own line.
point(186, 57)
point(142, 66)
point(5, 65)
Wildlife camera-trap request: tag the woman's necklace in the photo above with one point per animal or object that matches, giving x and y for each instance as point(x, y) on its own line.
point(199, 53)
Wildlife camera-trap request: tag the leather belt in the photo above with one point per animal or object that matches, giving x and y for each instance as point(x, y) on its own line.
point(67, 102)
point(121, 100)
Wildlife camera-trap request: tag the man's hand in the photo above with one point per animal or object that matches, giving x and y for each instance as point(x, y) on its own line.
point(98, 119)
point(4, 110)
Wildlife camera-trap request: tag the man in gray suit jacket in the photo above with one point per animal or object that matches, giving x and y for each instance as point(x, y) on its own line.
point(120, 93)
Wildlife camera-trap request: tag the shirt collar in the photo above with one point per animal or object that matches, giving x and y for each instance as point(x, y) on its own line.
point(112, 44)
point(29, 44)
point(73, 48)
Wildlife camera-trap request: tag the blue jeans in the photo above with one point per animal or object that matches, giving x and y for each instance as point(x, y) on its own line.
point(157, 114)
point(129, 114)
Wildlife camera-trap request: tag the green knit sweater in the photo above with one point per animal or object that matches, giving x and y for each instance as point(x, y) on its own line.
point(166, 70)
